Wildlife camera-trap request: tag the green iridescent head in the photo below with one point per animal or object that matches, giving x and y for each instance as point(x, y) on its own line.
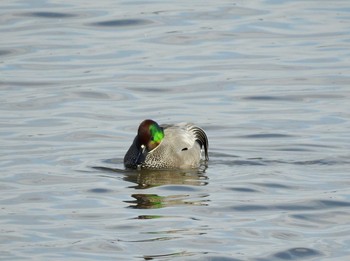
point(150, 134)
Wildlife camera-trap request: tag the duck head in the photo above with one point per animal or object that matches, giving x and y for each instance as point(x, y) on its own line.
point(149, 136)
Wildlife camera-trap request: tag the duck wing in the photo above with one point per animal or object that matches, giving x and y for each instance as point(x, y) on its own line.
point(189, 133)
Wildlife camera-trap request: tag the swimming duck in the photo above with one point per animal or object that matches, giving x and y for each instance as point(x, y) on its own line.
point(167, 146)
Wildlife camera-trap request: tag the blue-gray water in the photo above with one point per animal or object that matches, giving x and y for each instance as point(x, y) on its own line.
point(269, 81)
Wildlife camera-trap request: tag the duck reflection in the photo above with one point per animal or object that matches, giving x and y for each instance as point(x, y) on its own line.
point(149, 201)
point(147, 178)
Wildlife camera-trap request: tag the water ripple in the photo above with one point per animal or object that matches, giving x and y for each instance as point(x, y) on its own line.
point(122, 23)
point(303, 206)
point(50, 15)
point(297, 254)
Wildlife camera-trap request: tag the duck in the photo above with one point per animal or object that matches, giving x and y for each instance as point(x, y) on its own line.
point(167, 146)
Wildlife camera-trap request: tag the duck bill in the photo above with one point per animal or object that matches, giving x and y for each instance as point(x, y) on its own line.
point(141, 156)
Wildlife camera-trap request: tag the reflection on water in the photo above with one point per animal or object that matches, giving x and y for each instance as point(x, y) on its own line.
point(148, 201)
point(152, 178)
point(147, 179)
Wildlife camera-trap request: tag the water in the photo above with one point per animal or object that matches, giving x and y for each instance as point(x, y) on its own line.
point(267, 80)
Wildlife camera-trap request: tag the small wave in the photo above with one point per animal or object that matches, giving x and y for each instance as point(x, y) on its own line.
point(122, 23)
point(49, 14)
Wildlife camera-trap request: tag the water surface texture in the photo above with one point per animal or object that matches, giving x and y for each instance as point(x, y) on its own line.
point(269, 81)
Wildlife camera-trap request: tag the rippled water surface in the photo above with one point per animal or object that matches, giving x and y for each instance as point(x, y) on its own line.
point(269, 81)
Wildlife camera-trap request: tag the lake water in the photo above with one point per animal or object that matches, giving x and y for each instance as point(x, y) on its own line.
point(269, 81)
